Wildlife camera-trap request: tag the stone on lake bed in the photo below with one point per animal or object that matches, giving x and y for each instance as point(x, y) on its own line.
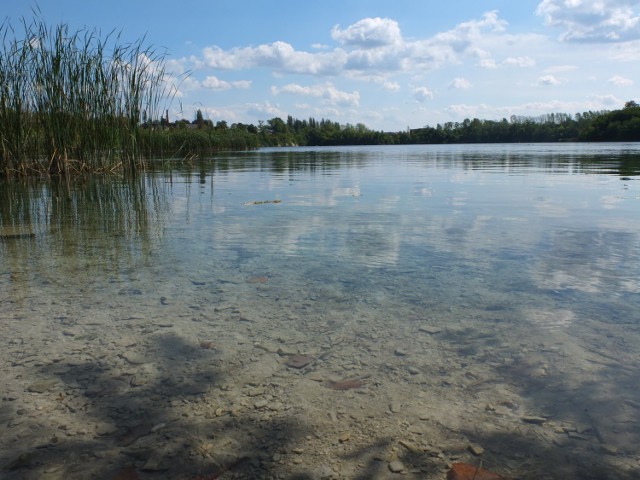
point(396, 466)
point(298, 361)
point(534, 419)
point(41, 386)
point(347, 384)
point(465, 471)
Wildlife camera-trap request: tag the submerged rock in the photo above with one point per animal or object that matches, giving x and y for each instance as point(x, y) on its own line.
point(298, 361)
point(464, 471)
point(397, 466)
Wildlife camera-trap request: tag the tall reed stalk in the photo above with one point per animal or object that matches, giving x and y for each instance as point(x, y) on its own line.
point(73, 101)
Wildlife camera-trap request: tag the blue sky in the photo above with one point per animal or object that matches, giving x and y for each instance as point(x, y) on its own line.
point(388, 64)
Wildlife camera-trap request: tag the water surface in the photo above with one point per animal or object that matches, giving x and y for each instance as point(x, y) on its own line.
point(486, 284)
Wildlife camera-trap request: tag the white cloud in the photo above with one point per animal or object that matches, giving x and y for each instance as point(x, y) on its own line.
point(593, 20)
point(369, 33)
point(606, 101)
point(391, 86)
point(214, 83)
point(520, 61)
point(278, 56)
point(422, 94)
point(467, 111)
point(626, 52)
point(265, 108)
point(619, 81)
point(548, 80)
point(325, 91)
point(487, 63)
point(459, 83)
point(369, 45)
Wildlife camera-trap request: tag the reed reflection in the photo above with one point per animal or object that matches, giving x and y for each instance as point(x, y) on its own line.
point(52, 232)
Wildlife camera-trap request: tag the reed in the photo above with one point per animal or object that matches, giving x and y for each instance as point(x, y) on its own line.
point(74, 101)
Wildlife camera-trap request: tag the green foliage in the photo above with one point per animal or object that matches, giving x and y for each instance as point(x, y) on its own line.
point(615, 126)
point(555, 127)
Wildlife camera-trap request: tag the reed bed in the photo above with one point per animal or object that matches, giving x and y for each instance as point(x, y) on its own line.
point(73, 102)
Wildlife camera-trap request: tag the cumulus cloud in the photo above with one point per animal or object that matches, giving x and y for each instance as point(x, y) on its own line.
point(520, 61)
point(448, 47)
point(265, 109)
point(278, 56)
point(369, 33)
point(369, 45)
point(459, 84)
point(487, 63)
point(422, 94)
point(467, 111)
point(215, 83)
point(593, 20)
point(391, 86)
point(326, 91)
point(548, 80)
point(619, 81)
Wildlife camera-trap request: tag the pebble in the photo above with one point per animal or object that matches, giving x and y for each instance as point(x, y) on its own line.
point(344, 437)
point(413, 370)
point(400, 352)
point(535, 420)
point(42, 386)
point(156, 463)
point(395, 407)
point(396, 466)
point(256, 392)
point(410, 446)
point(133, 358)
point(105, 428)
point(260, 404)
point(475, 449)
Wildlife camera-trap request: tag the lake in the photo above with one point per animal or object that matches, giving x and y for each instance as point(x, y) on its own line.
point(336, 312)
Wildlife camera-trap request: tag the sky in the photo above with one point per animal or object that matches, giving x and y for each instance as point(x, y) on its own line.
point(390, 65)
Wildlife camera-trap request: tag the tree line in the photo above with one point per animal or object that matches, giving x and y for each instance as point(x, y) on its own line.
point(201, 136)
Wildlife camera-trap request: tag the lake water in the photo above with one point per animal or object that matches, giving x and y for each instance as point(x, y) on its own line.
point(327, 312)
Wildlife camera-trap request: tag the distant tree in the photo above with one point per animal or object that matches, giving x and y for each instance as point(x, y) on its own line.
point(631, 104)
point(199, 121)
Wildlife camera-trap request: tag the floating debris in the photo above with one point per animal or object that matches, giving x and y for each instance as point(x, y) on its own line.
point(262, 202)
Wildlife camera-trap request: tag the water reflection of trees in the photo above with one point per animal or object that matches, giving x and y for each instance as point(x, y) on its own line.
point(324, 160)
point(44, 222)
point(276, 161)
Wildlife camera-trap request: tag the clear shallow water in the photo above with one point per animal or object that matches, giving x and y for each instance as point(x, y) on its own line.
point(514, 268)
